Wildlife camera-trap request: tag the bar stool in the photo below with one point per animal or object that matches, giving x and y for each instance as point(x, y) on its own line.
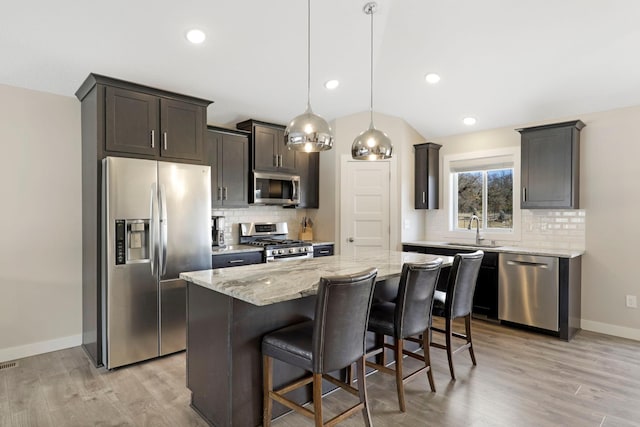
point(457, 302)
point(408, 316)
point(334, 340)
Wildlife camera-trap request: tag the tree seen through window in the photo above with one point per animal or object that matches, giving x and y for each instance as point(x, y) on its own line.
point(487, 194)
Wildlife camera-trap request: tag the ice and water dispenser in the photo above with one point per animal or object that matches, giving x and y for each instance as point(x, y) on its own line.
point(132, 241)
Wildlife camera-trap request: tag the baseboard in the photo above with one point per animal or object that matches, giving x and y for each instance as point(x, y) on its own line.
point(13, 353)
point(615, 330)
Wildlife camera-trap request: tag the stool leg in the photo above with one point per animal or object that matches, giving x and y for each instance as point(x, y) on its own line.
point(467, 327)
point(362, 391)
point(427, 359)
point(317, 399)
point(267, 382)
point(398, 344)
point(449, 335)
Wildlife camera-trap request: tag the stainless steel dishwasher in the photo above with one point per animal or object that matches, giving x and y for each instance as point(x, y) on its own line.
point(528, 290)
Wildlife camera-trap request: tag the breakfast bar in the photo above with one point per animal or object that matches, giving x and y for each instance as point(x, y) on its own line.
point(229, 310)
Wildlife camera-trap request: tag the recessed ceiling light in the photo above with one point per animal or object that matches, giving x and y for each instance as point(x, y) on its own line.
point(469, 121)
point(432, 78)
point(196, 36)
point(332, 84)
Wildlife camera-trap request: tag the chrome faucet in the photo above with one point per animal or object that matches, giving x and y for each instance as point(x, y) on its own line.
point(479, 238)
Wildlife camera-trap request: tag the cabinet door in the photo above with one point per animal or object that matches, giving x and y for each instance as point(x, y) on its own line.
point(213, 142)
point(234, 155)
point(550, 174)
point(426, 176)
point(307, 166)
point(265, 149)
point(183, 127)
point(131, 122)
point(287, 157)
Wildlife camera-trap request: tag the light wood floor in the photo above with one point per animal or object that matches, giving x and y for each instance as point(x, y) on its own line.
point(522, 379)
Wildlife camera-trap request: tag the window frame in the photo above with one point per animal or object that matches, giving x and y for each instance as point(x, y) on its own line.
point(484, 157)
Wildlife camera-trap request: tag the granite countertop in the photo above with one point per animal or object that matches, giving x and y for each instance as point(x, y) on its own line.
point(319, 242)
point(264, 284)
point(561, 253)
point(236, 249)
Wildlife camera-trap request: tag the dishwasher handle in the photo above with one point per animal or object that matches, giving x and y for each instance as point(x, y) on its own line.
point(528, 264)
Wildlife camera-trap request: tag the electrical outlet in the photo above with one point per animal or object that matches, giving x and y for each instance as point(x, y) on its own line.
point(632, 301)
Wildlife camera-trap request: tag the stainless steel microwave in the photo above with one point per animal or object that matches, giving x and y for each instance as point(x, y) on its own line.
point(275, 188)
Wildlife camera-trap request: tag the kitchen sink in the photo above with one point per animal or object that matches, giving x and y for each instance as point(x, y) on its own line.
point(473, 245)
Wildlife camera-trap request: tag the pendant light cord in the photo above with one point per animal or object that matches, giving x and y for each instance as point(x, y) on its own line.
point(309, 55)
point(371, 10)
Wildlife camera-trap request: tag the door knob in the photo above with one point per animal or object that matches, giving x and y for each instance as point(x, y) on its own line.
point(350, 240)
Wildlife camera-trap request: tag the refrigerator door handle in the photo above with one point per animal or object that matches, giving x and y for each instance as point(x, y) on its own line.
point(162, 269)
point(152, 233)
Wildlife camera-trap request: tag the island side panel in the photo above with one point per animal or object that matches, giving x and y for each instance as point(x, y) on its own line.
point(208, 353)
point(249, 324)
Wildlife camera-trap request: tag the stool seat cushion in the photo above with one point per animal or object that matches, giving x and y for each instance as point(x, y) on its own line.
point(381, 318)
point(439, 298)
point(292, 345)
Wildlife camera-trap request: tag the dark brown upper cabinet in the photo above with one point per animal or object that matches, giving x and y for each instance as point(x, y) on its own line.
point(268, 152)
point(308, 167)
point(550, 163)
point(227, 152)
point(139, 121)
point(427, 166)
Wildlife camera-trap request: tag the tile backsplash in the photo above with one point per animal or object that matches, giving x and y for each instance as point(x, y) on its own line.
point(539, 228)
point(562, 229)
point(233, 217)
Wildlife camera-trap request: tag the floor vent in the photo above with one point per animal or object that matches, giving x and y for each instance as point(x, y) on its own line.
point(8, 365)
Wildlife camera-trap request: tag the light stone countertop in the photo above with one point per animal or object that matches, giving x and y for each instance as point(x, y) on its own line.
point(319, 242)
point(264, 284)
point(561, 253)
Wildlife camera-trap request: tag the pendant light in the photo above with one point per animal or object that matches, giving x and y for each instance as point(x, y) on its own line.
point(372, 144)
point(308, 131)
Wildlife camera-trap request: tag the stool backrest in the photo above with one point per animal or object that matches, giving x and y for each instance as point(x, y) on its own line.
point(340, 323)
point(415, 297)
point(461, 284)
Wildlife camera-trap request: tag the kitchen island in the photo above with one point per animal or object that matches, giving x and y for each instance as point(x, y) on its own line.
point(229, 310)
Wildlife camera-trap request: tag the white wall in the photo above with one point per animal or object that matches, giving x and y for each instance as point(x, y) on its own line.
point(40, 254)
point(403, 138)
point(607, 223)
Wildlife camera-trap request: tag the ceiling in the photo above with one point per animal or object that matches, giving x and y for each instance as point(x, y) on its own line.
point(504, 62)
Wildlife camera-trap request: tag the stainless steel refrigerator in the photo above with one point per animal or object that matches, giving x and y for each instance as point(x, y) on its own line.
point(157, 225)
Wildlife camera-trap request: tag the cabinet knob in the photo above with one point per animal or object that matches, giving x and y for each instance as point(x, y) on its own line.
point(164, 137)
point(350, 240)
point(153, 138)
point(424, 197)
point(524, 194)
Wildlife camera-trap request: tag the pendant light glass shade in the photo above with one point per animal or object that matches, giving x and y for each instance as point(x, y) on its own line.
point(308, 131)
point(372, 144)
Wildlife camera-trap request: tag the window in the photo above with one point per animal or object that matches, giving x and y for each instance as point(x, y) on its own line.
point(485, 184)
point(488, 194)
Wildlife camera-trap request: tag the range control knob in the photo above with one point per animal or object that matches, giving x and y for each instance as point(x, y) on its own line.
point(292, 250)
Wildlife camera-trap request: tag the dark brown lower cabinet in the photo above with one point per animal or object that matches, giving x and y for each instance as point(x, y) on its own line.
point(322, 250)
point(236, 260)
point(485, 299)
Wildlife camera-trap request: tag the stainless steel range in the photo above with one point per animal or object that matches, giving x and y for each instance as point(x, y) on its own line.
point(272, 236)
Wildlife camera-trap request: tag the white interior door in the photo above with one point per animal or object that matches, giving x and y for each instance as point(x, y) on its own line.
point(364, 219)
